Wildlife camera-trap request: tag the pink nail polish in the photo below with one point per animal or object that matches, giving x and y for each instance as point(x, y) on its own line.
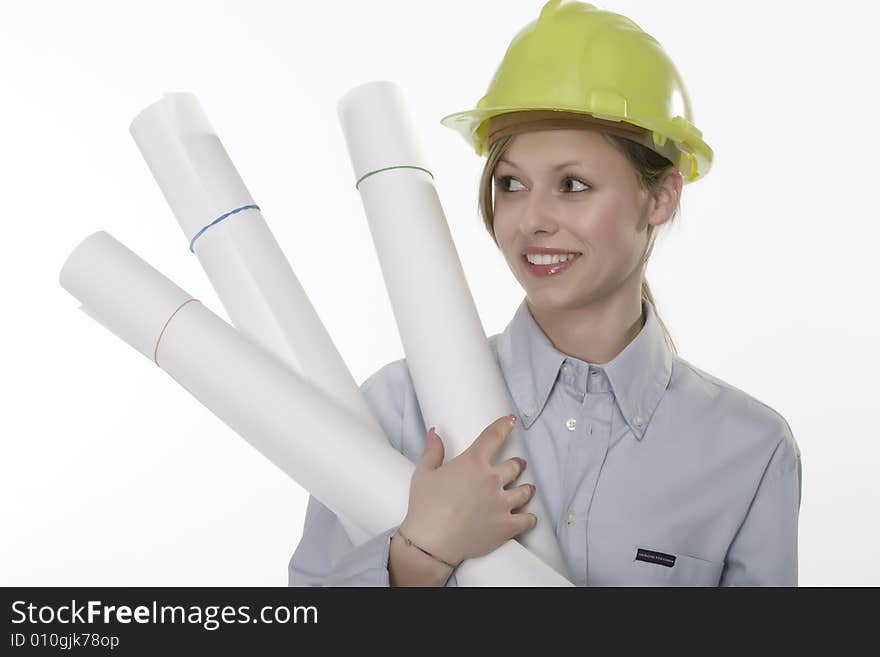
point(430, 435)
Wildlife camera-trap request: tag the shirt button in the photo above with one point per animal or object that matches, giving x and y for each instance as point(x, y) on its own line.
point(570, 517)
point(566, 369)
point(570, 424)
point(638, 420)
point(594, 372)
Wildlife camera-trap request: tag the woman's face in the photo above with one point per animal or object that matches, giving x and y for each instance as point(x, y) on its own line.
point(593, 207)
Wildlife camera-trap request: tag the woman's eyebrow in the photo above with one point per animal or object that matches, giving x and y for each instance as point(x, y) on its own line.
point(556, 168)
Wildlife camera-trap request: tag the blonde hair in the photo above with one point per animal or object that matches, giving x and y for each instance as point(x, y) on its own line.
point(650, 168)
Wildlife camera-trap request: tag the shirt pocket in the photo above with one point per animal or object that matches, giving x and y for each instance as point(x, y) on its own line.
point(665, 567)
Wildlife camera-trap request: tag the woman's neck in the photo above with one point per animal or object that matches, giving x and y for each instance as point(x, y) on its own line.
point(594, 333)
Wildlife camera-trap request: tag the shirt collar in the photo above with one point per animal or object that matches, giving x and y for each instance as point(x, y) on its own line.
point(638, 375)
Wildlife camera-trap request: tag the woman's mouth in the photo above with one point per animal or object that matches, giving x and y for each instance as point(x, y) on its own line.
point(550, 269)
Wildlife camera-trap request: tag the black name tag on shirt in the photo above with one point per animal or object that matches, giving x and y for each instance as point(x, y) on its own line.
point(663, 559)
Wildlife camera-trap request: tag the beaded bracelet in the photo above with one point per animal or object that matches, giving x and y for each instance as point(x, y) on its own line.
point(409, 542)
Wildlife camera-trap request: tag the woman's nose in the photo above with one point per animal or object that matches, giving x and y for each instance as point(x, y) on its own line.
point(537, 216)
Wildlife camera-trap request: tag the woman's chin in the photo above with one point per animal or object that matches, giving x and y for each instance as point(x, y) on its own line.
point(551, 297)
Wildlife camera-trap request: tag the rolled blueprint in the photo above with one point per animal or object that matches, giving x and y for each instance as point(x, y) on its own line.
point(253, 279)
point(266, 402)
point(457, 380)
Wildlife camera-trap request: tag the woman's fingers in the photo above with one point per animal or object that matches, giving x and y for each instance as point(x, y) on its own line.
point(510, 469)
point(518, 496)
point(487, 443)
point(521, 522)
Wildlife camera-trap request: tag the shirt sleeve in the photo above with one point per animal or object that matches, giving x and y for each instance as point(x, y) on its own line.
point(764, 551)
point(326, 555)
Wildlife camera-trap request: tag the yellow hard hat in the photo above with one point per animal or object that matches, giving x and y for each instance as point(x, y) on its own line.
point(577, 58)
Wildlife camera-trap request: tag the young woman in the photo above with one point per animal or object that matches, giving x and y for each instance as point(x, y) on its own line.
point(652, 471)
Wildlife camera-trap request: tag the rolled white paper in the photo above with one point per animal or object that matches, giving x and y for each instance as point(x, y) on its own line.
point(458, 383)
point(253, 279)
point(266, 402)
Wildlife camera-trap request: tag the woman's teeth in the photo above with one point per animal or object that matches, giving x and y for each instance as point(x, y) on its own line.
point(537, 259)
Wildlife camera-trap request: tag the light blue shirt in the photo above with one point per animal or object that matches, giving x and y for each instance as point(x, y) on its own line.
point(653, 472)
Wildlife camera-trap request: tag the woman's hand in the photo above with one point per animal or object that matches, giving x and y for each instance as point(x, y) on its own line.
point(461, 509)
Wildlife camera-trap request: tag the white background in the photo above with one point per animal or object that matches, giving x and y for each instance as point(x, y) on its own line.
point(112, 474)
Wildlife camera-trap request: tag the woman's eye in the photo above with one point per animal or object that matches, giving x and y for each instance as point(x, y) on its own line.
point(579, 182)
point(501, 183)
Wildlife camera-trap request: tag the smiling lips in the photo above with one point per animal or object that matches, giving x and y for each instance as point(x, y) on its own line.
point(550, 269)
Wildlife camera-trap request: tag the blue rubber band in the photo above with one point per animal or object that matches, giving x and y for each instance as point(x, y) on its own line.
point(401, 166)
point(218, 220)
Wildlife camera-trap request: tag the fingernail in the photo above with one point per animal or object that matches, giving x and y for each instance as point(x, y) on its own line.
point(512, 418)
point(430, 435)
point(522, 463)
point(532, 486)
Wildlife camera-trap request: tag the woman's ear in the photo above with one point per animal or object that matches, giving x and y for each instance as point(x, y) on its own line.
point(666, 197)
